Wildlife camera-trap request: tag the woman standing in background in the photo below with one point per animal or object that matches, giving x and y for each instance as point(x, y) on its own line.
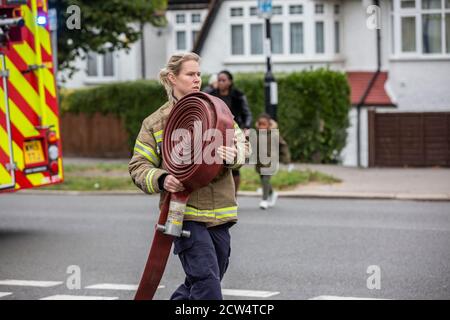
point(237, 102)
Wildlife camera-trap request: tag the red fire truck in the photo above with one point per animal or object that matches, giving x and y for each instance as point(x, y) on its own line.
point(30, 145)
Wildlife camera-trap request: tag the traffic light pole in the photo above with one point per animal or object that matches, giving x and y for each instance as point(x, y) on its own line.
point(270, 84)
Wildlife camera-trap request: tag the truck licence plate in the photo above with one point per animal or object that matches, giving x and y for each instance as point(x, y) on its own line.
point(33, 152)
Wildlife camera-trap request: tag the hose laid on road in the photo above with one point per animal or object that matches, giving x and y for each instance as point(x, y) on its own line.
point(190, 111)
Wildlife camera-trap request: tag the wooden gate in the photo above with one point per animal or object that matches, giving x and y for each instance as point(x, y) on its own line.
point(409, 139)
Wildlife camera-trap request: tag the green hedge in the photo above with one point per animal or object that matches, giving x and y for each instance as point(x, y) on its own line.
point(312, 112)
point(132, 101)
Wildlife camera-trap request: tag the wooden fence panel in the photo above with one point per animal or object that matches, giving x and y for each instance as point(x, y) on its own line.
point(96, 136)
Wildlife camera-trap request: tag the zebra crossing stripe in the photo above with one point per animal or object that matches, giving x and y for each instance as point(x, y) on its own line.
point(249, 293)
point(4, 294)
point(133, 287)
point(30, 283)
point(115, 286)
point(342, 298)
point(74, 297)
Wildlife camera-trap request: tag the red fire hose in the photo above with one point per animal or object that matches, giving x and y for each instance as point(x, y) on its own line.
point(192, 110)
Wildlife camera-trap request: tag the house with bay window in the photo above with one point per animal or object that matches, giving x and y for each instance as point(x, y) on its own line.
point(396, 56)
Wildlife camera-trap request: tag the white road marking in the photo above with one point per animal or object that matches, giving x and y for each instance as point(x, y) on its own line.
point(4, 294)
point(115, 286)
point(249, 293)
point(30, 283)
point(125, 287)
point(72, 297)
point(342, 298)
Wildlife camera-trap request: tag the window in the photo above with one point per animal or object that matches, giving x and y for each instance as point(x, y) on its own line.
point(421, 27)
point(337, 39)
point(92, 70)
point(277, 10)
point(180, 18)
point(447, 32)
point(237, 39)
point(295, 34)
point(408, 34)
point(92, 64)
point(256, 39)
point(337, 9)
point(100, 65)
point(392, 34)
point(108, 64)
point(297, 37)
point(319, 8)
point(297, 9)
point(277, 38)
point(320, 37)
point(237, 12)
point(431, 33)
point(431, 4)
point(181, 40)
point(195, 34)
point(195, 18)
point(408, 3)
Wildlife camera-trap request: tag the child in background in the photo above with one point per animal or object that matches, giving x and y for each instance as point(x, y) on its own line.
point(264, 121)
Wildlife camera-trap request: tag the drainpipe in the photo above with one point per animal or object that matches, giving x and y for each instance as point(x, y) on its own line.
point(367, 91)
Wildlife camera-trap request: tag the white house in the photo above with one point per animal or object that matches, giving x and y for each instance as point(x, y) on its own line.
point(399, 76)
point(185, 20)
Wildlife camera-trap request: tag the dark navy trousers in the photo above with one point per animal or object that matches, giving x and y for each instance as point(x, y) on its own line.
point(204, 257)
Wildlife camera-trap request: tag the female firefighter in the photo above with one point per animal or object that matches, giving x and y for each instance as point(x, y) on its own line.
point(210, 210)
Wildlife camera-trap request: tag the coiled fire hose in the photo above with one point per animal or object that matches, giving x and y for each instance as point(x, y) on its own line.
point(196, 113)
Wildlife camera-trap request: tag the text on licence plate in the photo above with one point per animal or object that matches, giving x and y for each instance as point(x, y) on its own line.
point(33, 152)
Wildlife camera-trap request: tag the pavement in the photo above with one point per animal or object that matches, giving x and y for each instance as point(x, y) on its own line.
point(426, 184)
point(95, 247)
point(378, 183)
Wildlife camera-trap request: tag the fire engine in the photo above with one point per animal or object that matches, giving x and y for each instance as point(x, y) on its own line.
point(30, 145)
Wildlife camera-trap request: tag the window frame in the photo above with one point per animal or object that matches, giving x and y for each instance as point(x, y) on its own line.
point(262, 24)
point(196, 14)
point(395, 18)
point(180, 15)
point(188, 27)
point(194, 34)
point(324, 28)
point(337, 35)
point(308, 17)
point(185, 40)
point(237, 8)
point(283, 40)
point(100, 77)
point(243, 40)
point(320, 5)
point(291, 7)
point(275, 9)
point(303, 38)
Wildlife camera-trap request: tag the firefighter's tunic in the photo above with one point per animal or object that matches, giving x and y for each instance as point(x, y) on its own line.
point(214, 204)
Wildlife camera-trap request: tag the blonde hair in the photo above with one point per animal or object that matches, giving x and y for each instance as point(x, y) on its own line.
point(174, 66)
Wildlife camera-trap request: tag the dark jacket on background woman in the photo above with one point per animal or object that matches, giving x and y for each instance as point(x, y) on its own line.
point(237, 102)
